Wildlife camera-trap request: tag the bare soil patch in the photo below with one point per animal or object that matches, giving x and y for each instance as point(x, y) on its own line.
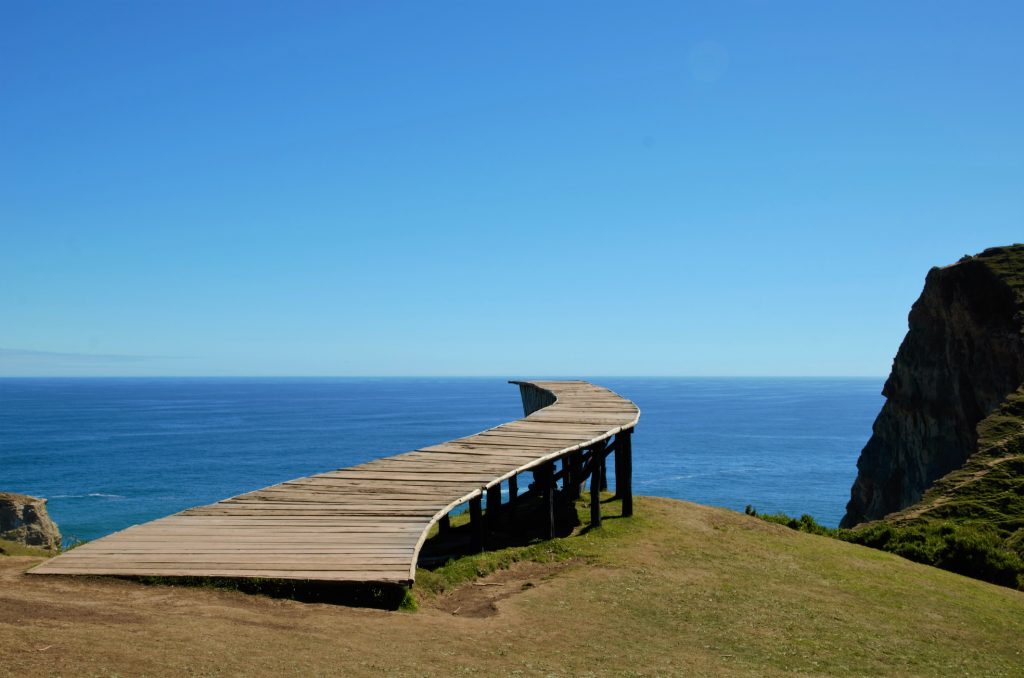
point(480, 598)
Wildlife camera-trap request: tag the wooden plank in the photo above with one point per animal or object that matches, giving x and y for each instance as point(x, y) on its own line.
point(419, 475)
point(317, 574)
point(514, 443)
point(566, 439)
point(472, 457)
point(228, 530)
point(192, 519)
point(242, 561)
point(584, 431)
point(527, 453)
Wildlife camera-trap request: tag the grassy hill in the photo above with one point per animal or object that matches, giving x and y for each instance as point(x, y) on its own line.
point(678, 589)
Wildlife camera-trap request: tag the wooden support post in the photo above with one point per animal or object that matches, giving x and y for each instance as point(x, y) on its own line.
point(476, 525)
point(547, 481)
point(624, 470)
point(444, 525)
point(616, 448)
point(604, 469)
point(567, 478)
point(513, 491)
point(596, 464)
point(493, 505)
point(576, 459)
point(571, 476)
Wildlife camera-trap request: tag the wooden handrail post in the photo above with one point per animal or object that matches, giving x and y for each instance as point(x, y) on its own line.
point(596, 468)
point(513, 492)
point(444, 525)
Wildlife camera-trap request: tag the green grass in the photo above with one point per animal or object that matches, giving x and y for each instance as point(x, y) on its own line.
point(13, 548)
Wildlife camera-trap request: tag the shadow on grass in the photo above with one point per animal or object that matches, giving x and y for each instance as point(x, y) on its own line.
point(382, 596)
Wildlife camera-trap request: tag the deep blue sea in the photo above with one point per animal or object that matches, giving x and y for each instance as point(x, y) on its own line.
point(109, 453)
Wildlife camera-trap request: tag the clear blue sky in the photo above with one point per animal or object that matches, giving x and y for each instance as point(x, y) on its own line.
point(432, 188)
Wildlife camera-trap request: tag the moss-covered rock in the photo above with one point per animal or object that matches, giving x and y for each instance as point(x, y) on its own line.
point(24, 520)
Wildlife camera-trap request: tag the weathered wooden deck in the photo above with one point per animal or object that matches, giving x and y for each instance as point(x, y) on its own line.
point(367, 523)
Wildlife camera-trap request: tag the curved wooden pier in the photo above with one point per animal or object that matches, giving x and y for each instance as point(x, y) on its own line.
point(367, 523)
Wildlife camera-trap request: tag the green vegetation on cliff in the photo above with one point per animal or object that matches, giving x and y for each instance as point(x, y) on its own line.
point(1007, 263)
point(989, 489)
point(979, 507)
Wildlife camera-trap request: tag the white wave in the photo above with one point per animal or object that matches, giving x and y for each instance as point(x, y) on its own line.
point(102, 495)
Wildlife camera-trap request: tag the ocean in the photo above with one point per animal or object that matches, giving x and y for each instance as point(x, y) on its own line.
point(109, 453)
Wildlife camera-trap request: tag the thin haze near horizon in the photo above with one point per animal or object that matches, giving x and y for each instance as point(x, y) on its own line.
point(744, 188)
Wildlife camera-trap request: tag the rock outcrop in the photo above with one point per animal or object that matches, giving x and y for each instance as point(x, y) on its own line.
point(963, 356)
point(24, 519)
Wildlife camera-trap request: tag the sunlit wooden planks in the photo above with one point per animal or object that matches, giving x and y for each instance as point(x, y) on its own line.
point(363, 523)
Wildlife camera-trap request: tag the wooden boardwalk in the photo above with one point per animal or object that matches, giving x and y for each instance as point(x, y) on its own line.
point(367, 523)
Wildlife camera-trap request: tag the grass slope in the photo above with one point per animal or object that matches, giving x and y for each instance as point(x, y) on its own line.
point(677, 589)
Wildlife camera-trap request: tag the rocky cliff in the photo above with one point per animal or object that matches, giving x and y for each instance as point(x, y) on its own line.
point(24, 520)
point(962, 359)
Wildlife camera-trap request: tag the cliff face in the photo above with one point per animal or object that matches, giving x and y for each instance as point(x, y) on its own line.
point(963, 356)
point(24, 519)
